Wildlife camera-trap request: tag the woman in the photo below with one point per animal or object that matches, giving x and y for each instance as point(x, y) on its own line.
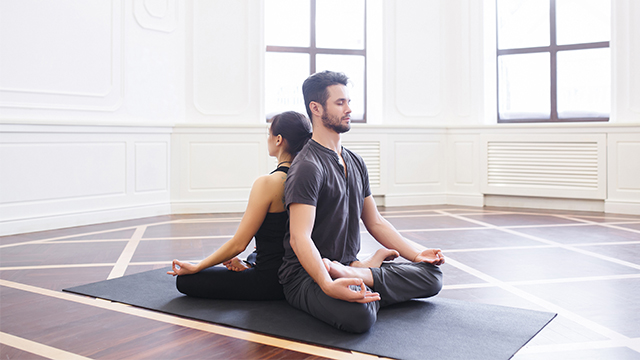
point(265, 218)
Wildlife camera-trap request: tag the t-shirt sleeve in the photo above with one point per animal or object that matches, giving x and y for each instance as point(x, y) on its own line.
point(366, 188)
point(303, 184)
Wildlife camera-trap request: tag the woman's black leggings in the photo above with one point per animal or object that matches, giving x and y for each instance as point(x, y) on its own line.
point(219, 283)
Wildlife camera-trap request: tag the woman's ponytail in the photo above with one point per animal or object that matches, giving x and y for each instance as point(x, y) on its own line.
point(293, 127)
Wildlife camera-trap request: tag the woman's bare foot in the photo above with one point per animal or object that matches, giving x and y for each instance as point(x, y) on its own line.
point(376, 259)
point(236, 264)
point(337, 270)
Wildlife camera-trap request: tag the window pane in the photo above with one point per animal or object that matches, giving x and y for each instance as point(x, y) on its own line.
point(286, 22)
point(353, 67)
point(583, 21)
point(284, 74)
point(584, 83)
point(524, 86)
point(523, 23)
point(340, 24)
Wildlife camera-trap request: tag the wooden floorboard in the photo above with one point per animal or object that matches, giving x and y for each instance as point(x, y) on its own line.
point(585, 266)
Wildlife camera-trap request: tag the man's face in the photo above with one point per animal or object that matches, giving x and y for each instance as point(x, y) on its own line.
point(337, 113)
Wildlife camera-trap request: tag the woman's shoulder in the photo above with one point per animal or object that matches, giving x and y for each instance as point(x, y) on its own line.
point(275, 180)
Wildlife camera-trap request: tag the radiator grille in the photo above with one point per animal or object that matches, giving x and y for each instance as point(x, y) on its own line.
point(570, 165)
point(370, 153)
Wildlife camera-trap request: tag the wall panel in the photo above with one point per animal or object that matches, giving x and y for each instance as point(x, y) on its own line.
point(223, 165)
point(418, 65)
point(48, 171)
point(417, 172)
point(624, 173)
point(151, 166)
point(214, 167)
point(61, 176)
point(58, 59)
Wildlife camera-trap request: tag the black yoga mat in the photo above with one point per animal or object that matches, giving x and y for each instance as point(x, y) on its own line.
point(434, 328)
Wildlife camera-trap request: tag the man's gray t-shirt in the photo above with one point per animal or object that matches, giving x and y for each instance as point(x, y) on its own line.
point(316, 178)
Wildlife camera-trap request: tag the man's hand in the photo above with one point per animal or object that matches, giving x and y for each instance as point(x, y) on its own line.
point(431, 256)
point(182, 268)
point(340, 289)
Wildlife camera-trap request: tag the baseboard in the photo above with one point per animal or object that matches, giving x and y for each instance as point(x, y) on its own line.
point(476, 200)
point(60, 221)
point(544, 203)
point(622, 207)
point(414, 199)
point(208, 207)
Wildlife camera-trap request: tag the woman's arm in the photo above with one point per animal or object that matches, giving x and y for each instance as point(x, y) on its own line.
point(257, 208)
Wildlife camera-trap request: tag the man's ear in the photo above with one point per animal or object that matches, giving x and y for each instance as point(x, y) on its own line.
point(316, 108)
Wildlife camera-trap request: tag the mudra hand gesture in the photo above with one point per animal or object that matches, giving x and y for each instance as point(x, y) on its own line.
point(431, 256)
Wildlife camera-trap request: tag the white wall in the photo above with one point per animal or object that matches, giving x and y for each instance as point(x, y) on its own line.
point(130, 108)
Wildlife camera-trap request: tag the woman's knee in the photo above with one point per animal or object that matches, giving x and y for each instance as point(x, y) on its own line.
point(181, 284)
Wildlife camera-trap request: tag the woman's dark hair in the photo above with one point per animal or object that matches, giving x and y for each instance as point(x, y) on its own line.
point(293, 127)
point(315, 87)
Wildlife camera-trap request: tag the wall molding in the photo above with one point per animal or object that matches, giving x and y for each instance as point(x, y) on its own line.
point(148, 19)
point(169, 146)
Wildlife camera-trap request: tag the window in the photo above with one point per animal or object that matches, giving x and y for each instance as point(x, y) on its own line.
point(553, 60)
point(307, 36)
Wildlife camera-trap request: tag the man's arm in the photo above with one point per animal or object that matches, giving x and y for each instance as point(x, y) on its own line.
point(301, 221)
point(389, 237)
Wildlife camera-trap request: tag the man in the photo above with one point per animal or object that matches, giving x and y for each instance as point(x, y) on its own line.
point(327, 193)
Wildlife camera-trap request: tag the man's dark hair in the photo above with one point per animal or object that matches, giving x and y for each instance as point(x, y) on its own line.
point(315, 87)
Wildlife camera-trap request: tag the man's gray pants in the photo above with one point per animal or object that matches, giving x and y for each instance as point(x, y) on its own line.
point(395, 282)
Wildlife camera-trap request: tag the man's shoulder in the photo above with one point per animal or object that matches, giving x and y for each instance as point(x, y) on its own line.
point(307, 157)
point(353, 155)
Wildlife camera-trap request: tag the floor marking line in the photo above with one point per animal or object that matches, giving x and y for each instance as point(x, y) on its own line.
point(544, 281)
point(608, 225)
point(591, 325)
point(127, 254)
point(532, 298)
point(550, 242)
point(603, 216)
point(549, 246)
point(38, 348)
point(438, 229)
point(71, 266)
point(591, 345)
point(192, 324)
point(46, 240)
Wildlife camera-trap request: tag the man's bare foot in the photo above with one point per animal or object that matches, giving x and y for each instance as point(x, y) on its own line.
point(337, 270)
point(376, 259)
point(236, 264)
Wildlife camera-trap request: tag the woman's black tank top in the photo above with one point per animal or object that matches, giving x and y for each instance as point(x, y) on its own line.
point(269, 247)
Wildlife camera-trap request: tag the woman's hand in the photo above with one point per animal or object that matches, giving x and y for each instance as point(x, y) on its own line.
point(182, 268)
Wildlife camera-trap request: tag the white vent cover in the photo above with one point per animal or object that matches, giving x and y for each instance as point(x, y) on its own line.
point(370, 153)
point(549, 165)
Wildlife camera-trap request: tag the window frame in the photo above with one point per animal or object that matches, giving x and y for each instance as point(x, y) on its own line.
point(553, 50)
point(313, 50)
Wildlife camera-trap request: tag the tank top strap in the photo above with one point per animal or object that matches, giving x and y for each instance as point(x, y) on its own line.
point(284, 169)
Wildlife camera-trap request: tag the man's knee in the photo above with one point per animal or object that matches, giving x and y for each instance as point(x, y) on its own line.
point(360, 318)
point(432, 279)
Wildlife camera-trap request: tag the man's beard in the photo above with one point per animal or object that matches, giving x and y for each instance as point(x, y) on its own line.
point(335, 123)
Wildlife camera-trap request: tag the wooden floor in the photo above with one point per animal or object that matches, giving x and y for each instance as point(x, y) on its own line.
point(583, 266)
